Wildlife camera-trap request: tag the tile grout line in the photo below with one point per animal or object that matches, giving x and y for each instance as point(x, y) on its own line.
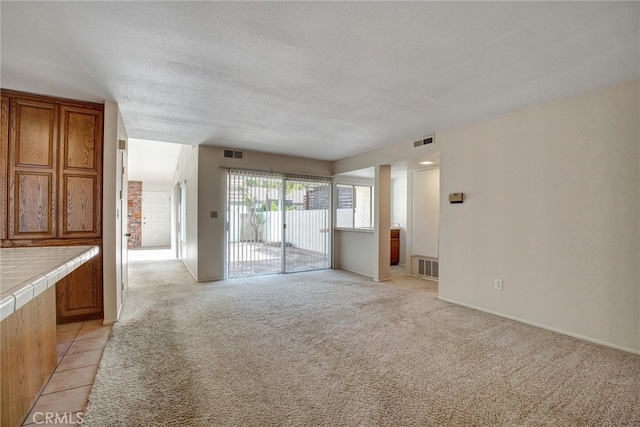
point(66, 389)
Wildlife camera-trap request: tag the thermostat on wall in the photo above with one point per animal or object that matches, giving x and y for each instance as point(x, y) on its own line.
point(456, 197)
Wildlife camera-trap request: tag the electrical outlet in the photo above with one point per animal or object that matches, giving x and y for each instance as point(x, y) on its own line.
point(497, 285)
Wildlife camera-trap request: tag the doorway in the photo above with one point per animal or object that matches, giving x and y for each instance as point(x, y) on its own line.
point(277, 223)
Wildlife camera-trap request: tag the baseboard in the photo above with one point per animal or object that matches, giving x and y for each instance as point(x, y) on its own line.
point(548, 328)
point(112, 321)
point(426, 279)
point(189, 270)
point(119, 311)
point(365, 275)
point(215, 279)
point(355, 272)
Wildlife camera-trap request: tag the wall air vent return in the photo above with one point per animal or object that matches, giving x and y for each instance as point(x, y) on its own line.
point(230, 154)
point(426, 267)
point(421, 142)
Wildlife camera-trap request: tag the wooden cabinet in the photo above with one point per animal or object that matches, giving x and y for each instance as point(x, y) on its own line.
point(51, 188)
point(395, 246)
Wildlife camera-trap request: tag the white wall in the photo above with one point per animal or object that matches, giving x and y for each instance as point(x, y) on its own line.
point(111, 216)
point(552, 208)
point(400, 153)
point(425, 195)
point(355, 251)
point(382, 223)
point(211, 197)
point(188, 171)
point(157, 186)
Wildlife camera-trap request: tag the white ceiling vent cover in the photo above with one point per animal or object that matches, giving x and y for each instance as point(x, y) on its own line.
point(421, 142)
point(230, 154)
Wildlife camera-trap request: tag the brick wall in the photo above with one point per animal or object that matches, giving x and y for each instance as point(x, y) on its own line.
point(135, 214)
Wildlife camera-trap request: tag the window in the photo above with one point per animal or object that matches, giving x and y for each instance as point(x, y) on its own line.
point(354, 206)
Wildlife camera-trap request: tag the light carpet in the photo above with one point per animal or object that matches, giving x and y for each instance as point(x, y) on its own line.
point(330, 348)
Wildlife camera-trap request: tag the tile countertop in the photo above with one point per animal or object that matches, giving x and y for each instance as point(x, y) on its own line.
point(27, 272)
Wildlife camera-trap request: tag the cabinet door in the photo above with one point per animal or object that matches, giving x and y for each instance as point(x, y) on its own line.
point(395, 247)
point(395, 251)
point(4, 163)
point(81, 172)
point(79, 295)
point(32, 169)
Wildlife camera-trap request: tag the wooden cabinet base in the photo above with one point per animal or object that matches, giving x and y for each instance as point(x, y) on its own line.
point(28, 356)
point(79, 295)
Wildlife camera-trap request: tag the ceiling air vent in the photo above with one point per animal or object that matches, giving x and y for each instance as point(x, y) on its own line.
point(233, 154)
point(421, 142)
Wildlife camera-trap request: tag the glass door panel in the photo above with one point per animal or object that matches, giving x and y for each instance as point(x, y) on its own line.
point(254, 216)
point(308, 223)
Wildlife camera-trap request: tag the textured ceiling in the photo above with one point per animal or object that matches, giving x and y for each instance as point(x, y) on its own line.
point(317, 79)
point(152, 162)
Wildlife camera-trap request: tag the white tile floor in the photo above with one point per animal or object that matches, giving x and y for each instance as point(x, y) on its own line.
point(150, 254)
point(80, 347)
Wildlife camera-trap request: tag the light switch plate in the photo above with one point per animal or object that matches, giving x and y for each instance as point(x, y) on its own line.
point(456, 198)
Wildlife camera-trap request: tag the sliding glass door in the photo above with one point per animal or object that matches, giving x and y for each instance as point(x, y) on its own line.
point(307, 224)
point(277, 223)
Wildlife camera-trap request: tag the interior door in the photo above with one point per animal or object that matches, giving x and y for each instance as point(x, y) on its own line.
point(124, 272)
point(156, 218)
point(121, 227)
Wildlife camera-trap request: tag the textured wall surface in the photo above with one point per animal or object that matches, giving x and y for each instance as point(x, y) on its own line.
point(135, 214)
